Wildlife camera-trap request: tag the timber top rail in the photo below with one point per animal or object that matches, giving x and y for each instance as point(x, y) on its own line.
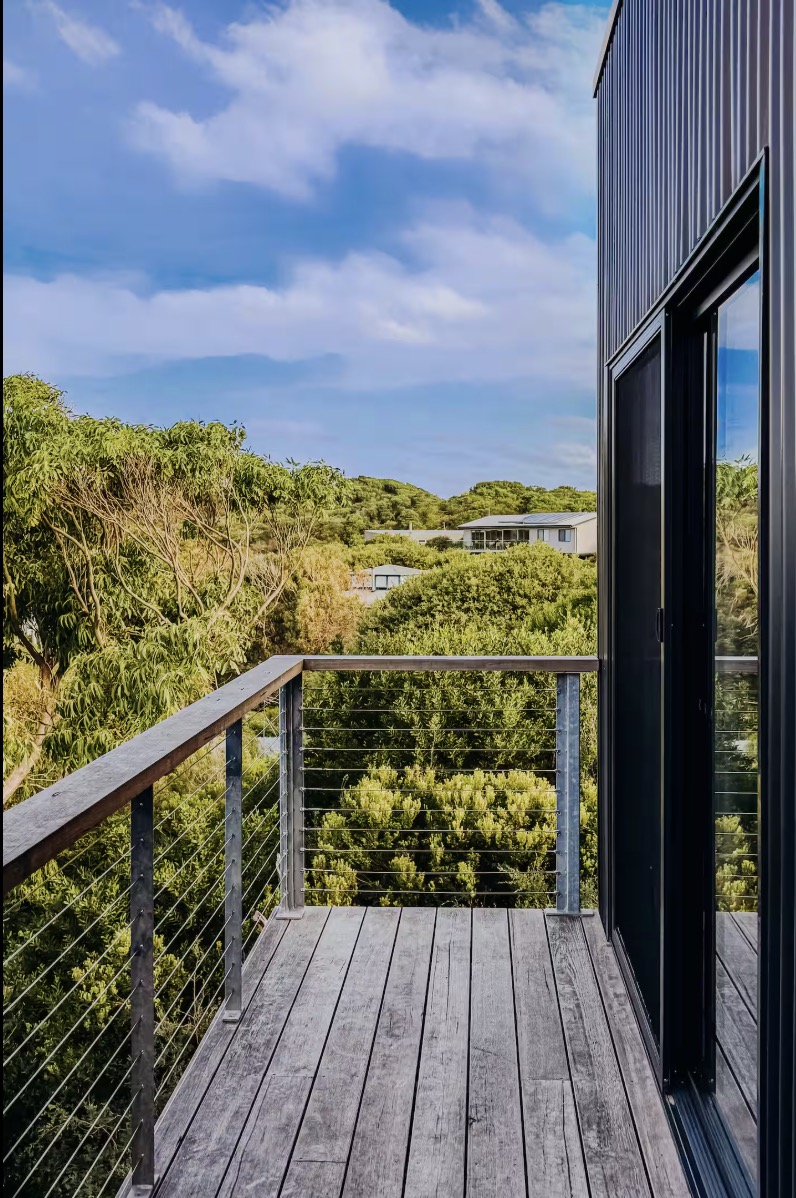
point(36, 830)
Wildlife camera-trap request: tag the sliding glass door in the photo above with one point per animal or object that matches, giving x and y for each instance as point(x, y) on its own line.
point(733, 482)
point(636, 673)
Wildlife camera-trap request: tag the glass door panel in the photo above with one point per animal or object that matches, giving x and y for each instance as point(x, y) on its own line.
point(636, 554)
point(735, 710)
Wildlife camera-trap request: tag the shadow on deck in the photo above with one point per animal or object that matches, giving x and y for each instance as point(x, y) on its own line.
point(386, 1052)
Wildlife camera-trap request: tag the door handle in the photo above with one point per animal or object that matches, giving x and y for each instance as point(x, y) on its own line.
point(659, 625)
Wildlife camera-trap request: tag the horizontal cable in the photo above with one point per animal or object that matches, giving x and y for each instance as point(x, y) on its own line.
point(448, 769)
point(433, 873)
point(426, 893)
point(191, 827)
point(187, 1015)
point(441, 749)
point(65, 1038)
point(192, 976)
point(185, 923)
point(70, 1117)
point(275, 870)
point(34, 935)
point(61, 1001)
point(218, 830)
point(187, 1044)
point(97, 1118)
point(168, 779)
point(7, 1011)
point(407, 852)
point(426, 731)
point(421, 710)
point(118, 1160)
point(420, 831)
point(58, 1089)
point(269, 850)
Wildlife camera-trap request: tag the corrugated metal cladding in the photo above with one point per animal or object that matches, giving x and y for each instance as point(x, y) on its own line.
point(689, 94)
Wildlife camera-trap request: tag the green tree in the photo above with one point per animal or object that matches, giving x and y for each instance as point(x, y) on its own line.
point(130, 582)
point(408, 734)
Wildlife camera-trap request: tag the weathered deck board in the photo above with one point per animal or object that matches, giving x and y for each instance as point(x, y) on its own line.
point(436, 1162)
point(378, 1154)
point(206, 1148)
point(748, 922)
point(739, 959)
point(495, 1152)
point(260, 1157)
point(735, 1113)
point(662, 1161)
point(553, 1153)
point(543, 1056)
point(424, 1053)
point(736, 1032)
point(613, 1157)
point(195, 1082)
point(327, 1128)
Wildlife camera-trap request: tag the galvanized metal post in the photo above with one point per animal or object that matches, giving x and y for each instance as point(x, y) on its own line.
point(142, 998)
point(291, 799)
point(233, 899)
point(568, 794)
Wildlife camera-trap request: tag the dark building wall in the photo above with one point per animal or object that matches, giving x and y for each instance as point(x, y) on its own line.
point(690, 93)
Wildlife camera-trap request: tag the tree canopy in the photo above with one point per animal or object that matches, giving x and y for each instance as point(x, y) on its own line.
point(139, 565)
point(387, 503)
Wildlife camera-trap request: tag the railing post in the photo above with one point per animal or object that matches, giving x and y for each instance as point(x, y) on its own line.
point(142, 997)
point(233, 900)
point(291, 796)
point(567, 794)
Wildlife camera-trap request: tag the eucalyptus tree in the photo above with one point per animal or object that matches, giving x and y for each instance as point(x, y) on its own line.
point(131, 581)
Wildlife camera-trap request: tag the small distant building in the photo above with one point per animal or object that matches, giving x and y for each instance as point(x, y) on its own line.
point(569, 532)
point(419, 535)
point(369, 582)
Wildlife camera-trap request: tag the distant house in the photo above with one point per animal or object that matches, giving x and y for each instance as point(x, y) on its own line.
point(419, 535)
point(570, 532)
point(381, 578)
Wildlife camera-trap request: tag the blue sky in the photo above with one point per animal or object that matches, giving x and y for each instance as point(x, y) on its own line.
point(365, 231)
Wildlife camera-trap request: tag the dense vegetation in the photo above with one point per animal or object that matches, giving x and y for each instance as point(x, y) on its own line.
point(451, 796)
point(385, 503)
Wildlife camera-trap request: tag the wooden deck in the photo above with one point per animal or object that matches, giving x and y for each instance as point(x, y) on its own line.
point(736, 1030)
point(419, 1052)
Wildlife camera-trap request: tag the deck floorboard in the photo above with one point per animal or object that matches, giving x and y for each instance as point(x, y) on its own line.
point(419, 1053)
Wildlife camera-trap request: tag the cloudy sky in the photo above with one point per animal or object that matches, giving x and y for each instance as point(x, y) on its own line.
point(364, 230)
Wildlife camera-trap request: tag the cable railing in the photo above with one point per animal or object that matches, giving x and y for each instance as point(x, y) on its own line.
point(736, 784)
point(137, 888)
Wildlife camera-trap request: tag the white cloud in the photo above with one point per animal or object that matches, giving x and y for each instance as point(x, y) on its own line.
point(88, 42)
point(484, 299)
point(16, 76)
point(309, 77)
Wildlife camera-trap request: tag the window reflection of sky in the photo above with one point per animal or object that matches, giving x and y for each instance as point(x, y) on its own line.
point(738, 374)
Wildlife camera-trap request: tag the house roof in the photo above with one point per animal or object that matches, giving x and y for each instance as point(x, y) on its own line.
point(388, 568)
point(532, 520)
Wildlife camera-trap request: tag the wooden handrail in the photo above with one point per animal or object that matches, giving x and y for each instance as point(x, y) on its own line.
point(49, 822)
point(417, 665)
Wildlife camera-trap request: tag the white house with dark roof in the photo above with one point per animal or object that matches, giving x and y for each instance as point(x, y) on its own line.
point(569, 532)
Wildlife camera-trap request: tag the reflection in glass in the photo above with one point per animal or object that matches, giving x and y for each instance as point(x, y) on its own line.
point(735, 761)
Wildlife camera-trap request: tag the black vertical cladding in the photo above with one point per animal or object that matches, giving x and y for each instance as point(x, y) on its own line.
point(690, 94)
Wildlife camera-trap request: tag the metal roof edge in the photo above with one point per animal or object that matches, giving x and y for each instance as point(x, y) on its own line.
point(613, 17)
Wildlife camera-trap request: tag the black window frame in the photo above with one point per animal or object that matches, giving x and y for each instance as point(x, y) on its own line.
point(734, 247)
